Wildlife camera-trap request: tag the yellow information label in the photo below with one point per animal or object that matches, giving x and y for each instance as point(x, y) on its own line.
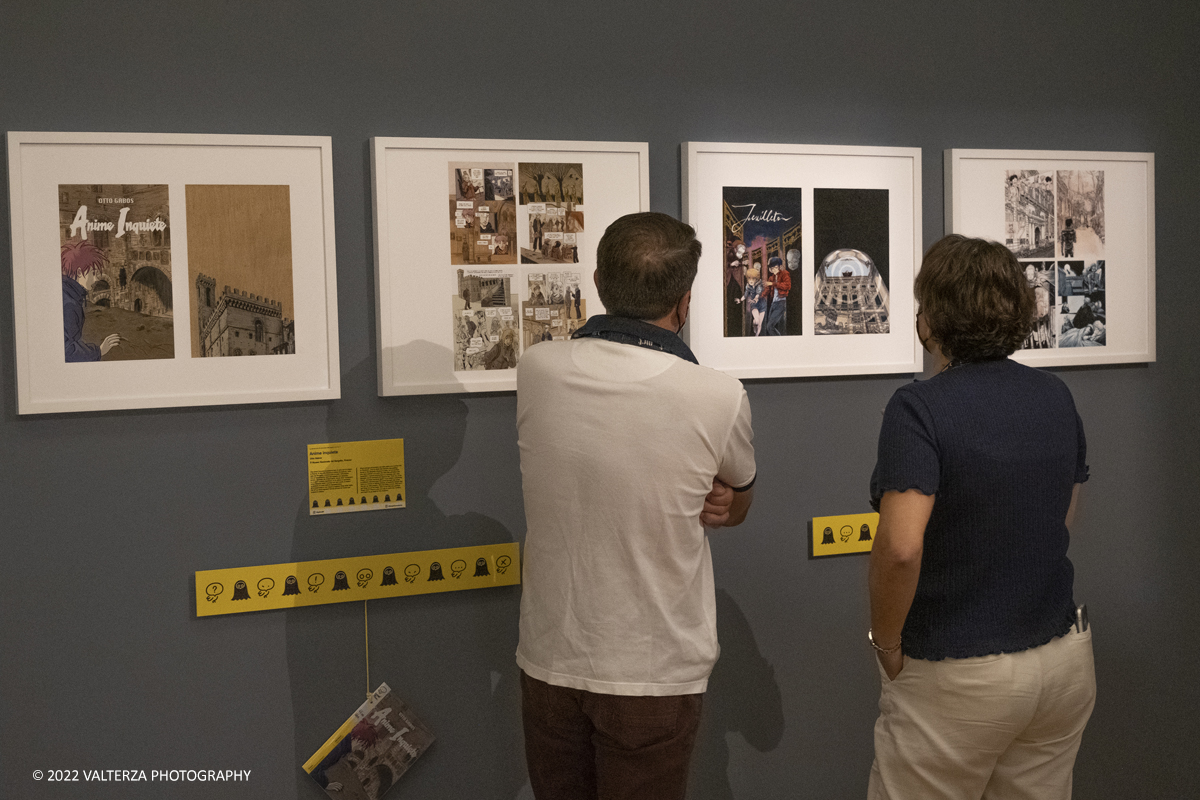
point(842, 535)
point(342, 580)
point(355, 476)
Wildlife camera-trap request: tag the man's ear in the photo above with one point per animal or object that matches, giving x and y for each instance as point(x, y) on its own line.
point(596, 279)
point(685, 303)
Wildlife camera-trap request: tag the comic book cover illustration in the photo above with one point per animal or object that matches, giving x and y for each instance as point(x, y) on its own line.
point(371, 750)
point(850, 243)
point(483, 214)
point(486, 329)
point(762, 235)
point(552, 195)
point(115, 258)
point(239, 240)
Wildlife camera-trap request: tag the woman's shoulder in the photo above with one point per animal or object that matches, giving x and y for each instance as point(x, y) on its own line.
point(1039, 378)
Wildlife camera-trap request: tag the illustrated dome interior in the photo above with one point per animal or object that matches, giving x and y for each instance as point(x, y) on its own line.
point(847, 264)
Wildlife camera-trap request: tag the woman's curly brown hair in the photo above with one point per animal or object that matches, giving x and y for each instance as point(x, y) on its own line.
point(975, 299)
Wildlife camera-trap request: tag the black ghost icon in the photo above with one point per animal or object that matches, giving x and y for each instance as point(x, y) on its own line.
point(864, 533)
point(240, 592)
point(340, 582)
point(435, 572)
point(389, 577)
point(827, 537)
point(481, 567)
point(351, 501)
point(290, 586)
point(327, 503)
point(375, 499)
point(315, 504)
point(364, 501)
point(387, 498)
point(339, 501)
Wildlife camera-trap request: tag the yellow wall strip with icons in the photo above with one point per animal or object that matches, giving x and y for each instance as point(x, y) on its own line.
point(843, 534)
point(341, 580)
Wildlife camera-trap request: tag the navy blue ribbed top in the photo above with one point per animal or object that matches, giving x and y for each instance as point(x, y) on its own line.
point(1001, 446)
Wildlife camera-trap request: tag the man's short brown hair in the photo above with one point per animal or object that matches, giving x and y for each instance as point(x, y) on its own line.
point(975, 299)
point(645, 264)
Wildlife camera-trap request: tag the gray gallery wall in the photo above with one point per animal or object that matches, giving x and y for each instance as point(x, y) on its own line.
point(105, 516)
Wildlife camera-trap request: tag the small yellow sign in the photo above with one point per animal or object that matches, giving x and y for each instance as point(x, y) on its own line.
point(843, 534)
point(342, 580)
point(355, 476)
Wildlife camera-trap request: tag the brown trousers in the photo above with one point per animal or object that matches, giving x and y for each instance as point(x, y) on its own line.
point(582, 745)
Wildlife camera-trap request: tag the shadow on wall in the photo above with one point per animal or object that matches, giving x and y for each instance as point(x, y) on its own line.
point(742, 697)
point(449, 655)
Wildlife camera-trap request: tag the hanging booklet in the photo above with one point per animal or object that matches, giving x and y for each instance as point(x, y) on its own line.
point(371, 750)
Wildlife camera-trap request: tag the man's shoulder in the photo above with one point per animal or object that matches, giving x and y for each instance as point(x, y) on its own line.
point(705, 382)
point(542, 358)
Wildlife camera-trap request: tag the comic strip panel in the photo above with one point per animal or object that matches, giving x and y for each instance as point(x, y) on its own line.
point(239, 242)
point(116, 272)
point(555, 308)
point(574, 306)
point(483, 214)
point(1081, 313)
point(1081, 213)
point(762, 235)
point(850, 243)
point(1029, 221)
point(485, 325)
point(553, 197)
point(1040, 277)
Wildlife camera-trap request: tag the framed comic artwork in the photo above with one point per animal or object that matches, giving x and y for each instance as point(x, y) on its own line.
point(485, 247)
point(1082, 226)
point(177, 253)
point(809, 254)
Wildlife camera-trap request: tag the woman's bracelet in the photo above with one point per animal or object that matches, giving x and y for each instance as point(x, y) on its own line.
point(885, 650)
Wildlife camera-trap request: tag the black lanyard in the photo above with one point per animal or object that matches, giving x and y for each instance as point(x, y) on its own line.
point(624, 330)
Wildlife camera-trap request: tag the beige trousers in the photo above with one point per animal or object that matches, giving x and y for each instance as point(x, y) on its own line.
point(1003, 727)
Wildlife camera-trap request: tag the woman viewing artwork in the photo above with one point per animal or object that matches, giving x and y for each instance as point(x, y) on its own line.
point(985, 661)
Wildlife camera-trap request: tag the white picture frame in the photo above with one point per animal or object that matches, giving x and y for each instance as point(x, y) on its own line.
point(296, 329)
point(824, 335)
point(422, 346)
point(1003, 195)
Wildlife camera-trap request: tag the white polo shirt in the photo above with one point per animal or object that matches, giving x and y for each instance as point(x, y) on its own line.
point(619, 445)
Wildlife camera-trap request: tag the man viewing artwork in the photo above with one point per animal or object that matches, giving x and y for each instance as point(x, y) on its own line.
point(629, 450)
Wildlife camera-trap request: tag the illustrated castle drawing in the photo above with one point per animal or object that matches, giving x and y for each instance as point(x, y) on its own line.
point(484, 291)
point(241, 324)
